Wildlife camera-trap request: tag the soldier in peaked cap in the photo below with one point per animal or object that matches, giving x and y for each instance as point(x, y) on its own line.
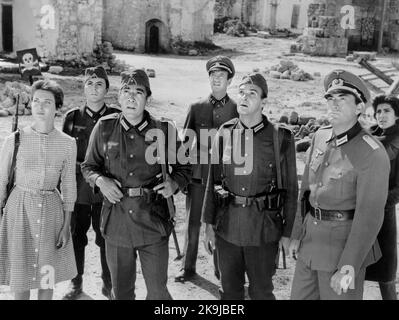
point(135, 219)
point(344, 191)
point(206, 114)
point(250, 208)
point(79, 123)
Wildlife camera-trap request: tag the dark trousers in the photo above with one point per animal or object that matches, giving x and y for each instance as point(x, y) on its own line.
point(82, 217)
point(194, 201)
point(257, 262)
point(311, 284)
point(154, 264)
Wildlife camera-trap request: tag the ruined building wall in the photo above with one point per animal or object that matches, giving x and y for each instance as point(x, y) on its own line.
point(126, 21)
point(76, 28)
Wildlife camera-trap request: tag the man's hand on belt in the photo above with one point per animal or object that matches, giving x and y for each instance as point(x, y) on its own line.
point(166, 188)
point(110, 188)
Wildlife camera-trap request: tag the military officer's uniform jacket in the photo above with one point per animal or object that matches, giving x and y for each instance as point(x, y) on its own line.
point(207, 114)
point(117, 150)
point(344, 172)
point(79, 123)
point(247, 225)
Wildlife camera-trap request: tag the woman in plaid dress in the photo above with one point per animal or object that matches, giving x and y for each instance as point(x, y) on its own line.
point(35, 247)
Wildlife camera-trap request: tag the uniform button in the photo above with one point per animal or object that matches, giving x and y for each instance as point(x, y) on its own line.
point(131, 156)
point(246, 155)
point(131, 136)
point(106, 157)
point(38, 221)
point(131, 174)
point(39, 205)
point(315, 223)
point(35, 266)
point(34, 279)
point(339, 215)
point(243, 205)
point(217, 117)
point(320, 184)
point(271, 165)
point(326, 164)
point(245, 172)
point(243, 189)
point(130, 211)
point(340, 175)
point(37, 236)
point(36, 250)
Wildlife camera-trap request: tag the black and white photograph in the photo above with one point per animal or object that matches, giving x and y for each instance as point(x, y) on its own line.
point(199, 150)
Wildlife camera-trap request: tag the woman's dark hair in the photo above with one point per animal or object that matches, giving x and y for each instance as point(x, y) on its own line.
point(50, 86)
point(390, 99)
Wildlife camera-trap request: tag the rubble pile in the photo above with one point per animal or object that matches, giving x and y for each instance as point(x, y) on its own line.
point(235, 28)
point(286, 69)
point(8, 99)
point(192, 48)
point(102, 55)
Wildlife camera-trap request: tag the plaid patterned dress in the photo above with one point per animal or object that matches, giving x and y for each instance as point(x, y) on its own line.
point(34, 214)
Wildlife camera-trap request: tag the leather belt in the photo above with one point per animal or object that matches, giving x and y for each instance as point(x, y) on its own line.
point(36, 191)
point(332, 215)
point(245, 201)
point(137, 192)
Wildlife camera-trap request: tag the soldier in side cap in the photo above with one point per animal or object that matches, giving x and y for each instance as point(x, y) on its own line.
point(79, 123)
point(206, 114)
point(344, 191)
point(250, 207)
point(135, 219)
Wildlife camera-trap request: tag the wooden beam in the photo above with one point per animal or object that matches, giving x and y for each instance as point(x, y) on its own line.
point(382, 26)
point(394, 88)
point(375, 71)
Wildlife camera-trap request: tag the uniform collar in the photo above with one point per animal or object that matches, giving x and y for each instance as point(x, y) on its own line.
point(93, 114)
point(215, 101)
point(140, 127)
point(347, 136)
point(257, 128)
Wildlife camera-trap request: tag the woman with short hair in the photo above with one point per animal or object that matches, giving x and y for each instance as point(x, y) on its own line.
point(387, 130)
point(35, 247)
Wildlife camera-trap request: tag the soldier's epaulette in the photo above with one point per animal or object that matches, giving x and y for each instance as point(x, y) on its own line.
point(110, 117)
point(73, 110)
point(371, 142)
point(326, 127)
point(230, 123)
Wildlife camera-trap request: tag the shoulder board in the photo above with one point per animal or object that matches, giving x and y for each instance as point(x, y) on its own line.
point(71, 111)
point(371, 142)
point(230, 123)
point(282, 126)
point(110, 117)
point(326, 127)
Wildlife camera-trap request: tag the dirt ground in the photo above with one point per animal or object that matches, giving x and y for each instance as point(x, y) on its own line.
point(180, 81)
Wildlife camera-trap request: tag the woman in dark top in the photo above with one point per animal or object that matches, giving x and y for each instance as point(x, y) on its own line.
point(387, 130)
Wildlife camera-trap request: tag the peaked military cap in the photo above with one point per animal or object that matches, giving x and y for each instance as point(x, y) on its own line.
point(221, 63)
point(258, 80)
point(96, 72)
point(136, 77)
point(346, 81)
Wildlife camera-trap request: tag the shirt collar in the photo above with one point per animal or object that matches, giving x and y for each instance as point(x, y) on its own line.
point(140, 127)
point(93, 114)
point(347, 136)
point(222, 102)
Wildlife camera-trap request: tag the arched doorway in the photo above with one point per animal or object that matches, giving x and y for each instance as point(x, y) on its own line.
point(156, 39)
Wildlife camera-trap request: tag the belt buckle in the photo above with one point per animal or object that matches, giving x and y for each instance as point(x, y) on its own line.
point(317, 213)
point(133, 192)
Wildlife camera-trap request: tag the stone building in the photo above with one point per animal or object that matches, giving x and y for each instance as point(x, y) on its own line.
point(151, 25)
point(57, 28)
point(267, 14)
point(326, 36)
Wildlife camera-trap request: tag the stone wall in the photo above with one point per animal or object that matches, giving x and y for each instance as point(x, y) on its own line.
point(126, 21)
point(76, 29)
